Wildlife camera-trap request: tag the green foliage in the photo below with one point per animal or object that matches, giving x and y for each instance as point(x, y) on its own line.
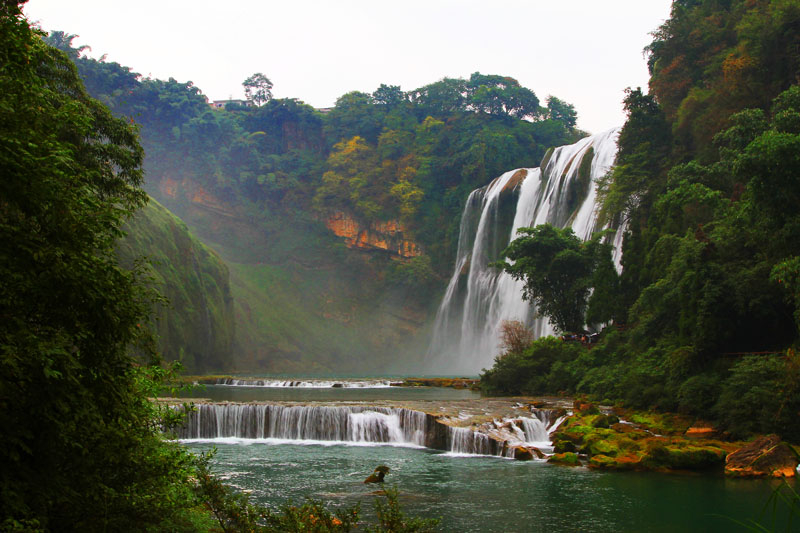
point(421, 152)
point(706, 181)
point(416, 272)
point(561, 111)
point(392, 519)
point(558, 270)
point(258, 89)
point(530, 371)
point(81, 447)
point(196, 327)
point(762, 395)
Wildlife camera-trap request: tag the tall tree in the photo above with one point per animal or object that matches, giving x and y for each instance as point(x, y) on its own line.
point(558, 270)
point(258, 89)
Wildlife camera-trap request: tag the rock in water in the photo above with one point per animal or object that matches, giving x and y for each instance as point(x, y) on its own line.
point(521, 453)
point(765, 456)
point(378, 475)
point(527, 453)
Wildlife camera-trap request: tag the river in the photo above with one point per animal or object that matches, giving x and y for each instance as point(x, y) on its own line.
point(468, 492)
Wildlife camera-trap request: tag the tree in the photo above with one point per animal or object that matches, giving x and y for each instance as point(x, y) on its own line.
point(557, 268)
point(258, 89)
point(388, 95)
point(502, 96)
point(515, 336)
point(561, 111)
point(81, 446)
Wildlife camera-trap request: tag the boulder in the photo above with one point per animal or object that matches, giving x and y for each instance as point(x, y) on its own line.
point(378, 475)
point(676, 454)
point(537, 452)
point(764, 457)
point(585, 408)
point(522, 453)
point(561, 446)
point(566, 459)
point(602, 461)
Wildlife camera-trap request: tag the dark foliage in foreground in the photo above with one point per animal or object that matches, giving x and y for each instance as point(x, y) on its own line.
point(82, 447)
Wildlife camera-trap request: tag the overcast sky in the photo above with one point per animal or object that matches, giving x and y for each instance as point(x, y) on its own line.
point(583, 51)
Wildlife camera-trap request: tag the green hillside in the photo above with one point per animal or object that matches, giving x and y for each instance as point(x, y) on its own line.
point(258, 183)
point(196, 326)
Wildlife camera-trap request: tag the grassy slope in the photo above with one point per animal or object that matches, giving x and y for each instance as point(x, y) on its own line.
point(198, 325)
point(303, 302)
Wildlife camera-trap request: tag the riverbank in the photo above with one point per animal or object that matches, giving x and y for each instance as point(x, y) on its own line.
point(618, 439)
point(439, 447)
point(559, 430)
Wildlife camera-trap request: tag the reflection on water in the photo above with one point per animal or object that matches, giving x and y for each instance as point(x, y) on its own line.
point(224, 393)
point(490, 494)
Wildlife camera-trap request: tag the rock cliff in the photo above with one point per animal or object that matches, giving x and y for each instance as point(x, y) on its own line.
point(385, 236)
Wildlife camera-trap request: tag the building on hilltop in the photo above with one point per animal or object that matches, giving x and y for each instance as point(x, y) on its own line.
point(220, 104)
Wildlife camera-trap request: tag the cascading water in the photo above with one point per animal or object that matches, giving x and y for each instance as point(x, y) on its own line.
point(480, 297)
point(304, 422)
point(358, 425)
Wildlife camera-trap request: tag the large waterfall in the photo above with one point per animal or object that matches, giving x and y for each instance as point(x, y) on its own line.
point(480, 297)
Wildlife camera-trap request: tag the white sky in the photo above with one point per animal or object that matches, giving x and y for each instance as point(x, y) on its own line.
point(583, 51)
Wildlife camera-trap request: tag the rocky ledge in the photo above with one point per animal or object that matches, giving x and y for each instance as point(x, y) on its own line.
point(385, 236)
point(606, 440)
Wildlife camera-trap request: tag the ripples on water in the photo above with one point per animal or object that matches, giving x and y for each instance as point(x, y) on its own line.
point(224, 393)
point(470, 493)
point(487, 494)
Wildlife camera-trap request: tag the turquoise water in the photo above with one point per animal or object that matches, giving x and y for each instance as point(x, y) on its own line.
point(472, 493)
point(488, 494)
point(223, 393)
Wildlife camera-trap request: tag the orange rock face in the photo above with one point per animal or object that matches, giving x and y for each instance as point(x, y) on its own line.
point(169, 187)
point(764, 457)
point(193, 192)
point(386, 236)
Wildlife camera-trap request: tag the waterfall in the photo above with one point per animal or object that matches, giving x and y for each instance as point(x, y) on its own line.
point(535, 430)
point(480, 297)
point(464, 441)
point(355, 424)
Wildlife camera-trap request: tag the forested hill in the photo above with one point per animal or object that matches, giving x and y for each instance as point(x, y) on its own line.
point(707, 179)
point(339, 225)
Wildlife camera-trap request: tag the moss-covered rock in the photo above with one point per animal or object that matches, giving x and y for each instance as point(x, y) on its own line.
point(764, 457)
point(681, 455)
point(613, 445)
point(522, 453)
point(566, 459)
point(562, 446)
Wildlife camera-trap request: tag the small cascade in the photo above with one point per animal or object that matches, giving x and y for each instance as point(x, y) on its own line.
point(386, 425)
point(464, 441)
point(535, 430)
point(480, 297)
point(309, 384)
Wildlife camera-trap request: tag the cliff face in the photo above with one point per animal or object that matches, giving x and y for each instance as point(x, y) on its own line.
point(379, 236)
point(197, 327)
point(194, 193)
